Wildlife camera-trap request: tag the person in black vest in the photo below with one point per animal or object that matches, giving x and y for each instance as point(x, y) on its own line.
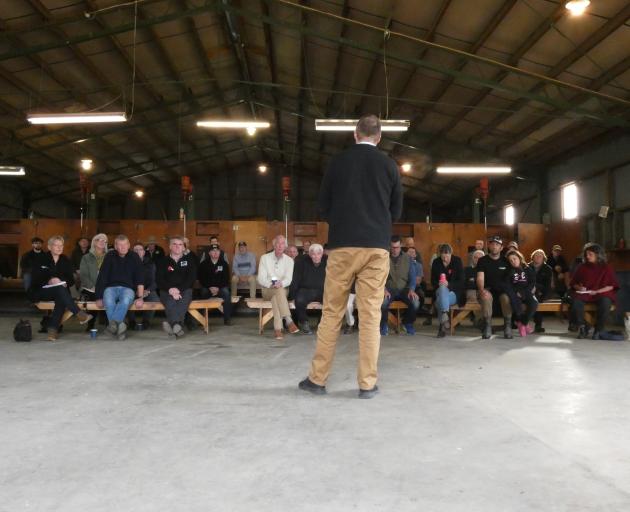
point(491, 275)
point(52, 277)
point(175, 276)
point(153, 250)
point(307, 284)
point(214, 277)
point(447, 279)
point(30, 260)
point(560, 269)
point(544, 276)
point(120, 280)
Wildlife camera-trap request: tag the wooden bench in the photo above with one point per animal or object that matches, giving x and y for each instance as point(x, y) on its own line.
point(265, 312)
point(459, 314)
point(198, 309)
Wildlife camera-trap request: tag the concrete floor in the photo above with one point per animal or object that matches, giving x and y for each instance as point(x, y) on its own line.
point(216, 423)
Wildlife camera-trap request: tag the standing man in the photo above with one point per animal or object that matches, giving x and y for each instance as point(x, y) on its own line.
point(360, 196)
point(492, 271)
point(175, 276)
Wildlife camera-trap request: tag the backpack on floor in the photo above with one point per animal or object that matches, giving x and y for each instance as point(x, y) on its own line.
point(22, 331)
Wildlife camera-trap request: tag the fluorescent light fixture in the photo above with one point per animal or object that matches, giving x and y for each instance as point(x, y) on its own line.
point(349, 125)
point(139, 193)
point(12, 170)
point(406, 167)
point(248, 125)
point(577, 7)
point(262, 169)
point(474, 170)
point(87, 117)
point(86, 164)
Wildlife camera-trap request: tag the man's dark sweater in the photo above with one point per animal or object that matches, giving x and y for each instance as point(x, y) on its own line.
point(31, 259)
point(360, 197)
point(214, 273)
point(307, 275)
point(179, 274)
point(118, 270)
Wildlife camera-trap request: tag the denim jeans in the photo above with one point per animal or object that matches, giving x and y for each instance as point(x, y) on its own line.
point(117, 300)
point(444, 299)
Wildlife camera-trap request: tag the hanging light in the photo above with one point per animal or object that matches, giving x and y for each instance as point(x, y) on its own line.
point(406, 167)
point(250, 126)
point(474, 170)
point(87, 117)
point(349, 125)
point(577, 7)
point(262, 168)
point(139, 193)
point(86, 164)
point(12, 170)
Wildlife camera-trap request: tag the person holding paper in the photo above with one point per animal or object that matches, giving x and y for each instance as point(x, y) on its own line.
point(52, 277)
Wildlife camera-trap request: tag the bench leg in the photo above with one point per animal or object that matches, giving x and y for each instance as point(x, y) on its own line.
point(200, 318)
point(589, 317)
point(66, 314)
point(392, 320)
point(458, 318)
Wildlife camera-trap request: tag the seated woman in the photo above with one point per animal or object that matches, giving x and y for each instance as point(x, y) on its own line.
point(52, 278)
point(544, 275)
point(447, 279)
point(88, 270)
point(594, 282)
point(519, 286)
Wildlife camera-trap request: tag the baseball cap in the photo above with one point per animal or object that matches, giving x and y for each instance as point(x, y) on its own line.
point(215, 247)
point(495, 238)
point(556, 248)
point(240, 244)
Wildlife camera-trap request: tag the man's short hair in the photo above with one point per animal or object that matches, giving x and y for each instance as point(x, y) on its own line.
point(315, 248)
point(175, 237)
point(138, 244)
point(55, 238)
point(368, 126)
point(121, 238)
point(36, 239)
point(445, 249)
point(276, 239)
point(395, 239)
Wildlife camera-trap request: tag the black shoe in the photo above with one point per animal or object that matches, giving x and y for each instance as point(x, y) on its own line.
point(596, 335)
point(583, 332)
point(427, 321)
point(441, 331)
point(573, 327)
point(539, 328)
point(368, 393)
point(305, 327)
point(227, 321)
point(311, 387)
point(487, 331)
point(507, 329)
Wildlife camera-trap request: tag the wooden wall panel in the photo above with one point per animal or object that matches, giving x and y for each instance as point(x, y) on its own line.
point(531, 237)
point(570, 235)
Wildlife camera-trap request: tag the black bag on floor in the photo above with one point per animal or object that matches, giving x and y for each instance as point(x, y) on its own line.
point(22, 331)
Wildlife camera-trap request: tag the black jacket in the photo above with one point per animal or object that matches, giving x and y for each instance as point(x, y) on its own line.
point(30, 260)
point(214, 274)
point(360, 197)
point(307, 275)
point(46, 269)
point(543, 281)
point(454, 275)
point(148, 268)
point(172, 274)
point(119, 270)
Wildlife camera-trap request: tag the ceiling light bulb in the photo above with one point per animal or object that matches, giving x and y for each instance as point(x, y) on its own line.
point(12, 170)
point(139, 193)
point(86, 164)
point(262, 168)
point(577, 7)
point(251, 131)
point(87, 117)
point(474, 170)
point(406, 167)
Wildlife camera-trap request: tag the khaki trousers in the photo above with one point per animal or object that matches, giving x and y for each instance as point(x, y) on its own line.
point(369, 269)
point(486, 305)
point(279, 305)
point(251, 281)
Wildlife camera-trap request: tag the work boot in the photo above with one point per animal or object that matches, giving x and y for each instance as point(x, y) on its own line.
point(487, 329)
point(444, 320)
point(305, 327)
point(507, 328)
point(52, 334)
point(441, 331)
point(112, 328)
point(583, 332)
point(178, 330)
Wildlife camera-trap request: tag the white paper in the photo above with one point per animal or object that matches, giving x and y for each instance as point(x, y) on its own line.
point(60, 283)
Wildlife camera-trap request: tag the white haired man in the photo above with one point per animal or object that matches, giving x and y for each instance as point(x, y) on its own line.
point(308, 284)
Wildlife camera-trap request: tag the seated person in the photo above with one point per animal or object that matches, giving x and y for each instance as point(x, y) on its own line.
point(175, 276)
point(275, 272)
point(153, 250)
point(81, 249)
point(119, 281)
point(520, 285)
point(560, 267)
point(420, 285)
point(478, 247)
point(470, 275)
point(54, 271)
point(400, 285)
point(143, 319)
point(595, 282)
point(292, 251)
point(88, 270)
point(30, 260)
point(307, 284)
point(491, 274)
point(214, 240)
point(544, 276)
point(244, 270)
point(447, 279)
point(214, 277)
